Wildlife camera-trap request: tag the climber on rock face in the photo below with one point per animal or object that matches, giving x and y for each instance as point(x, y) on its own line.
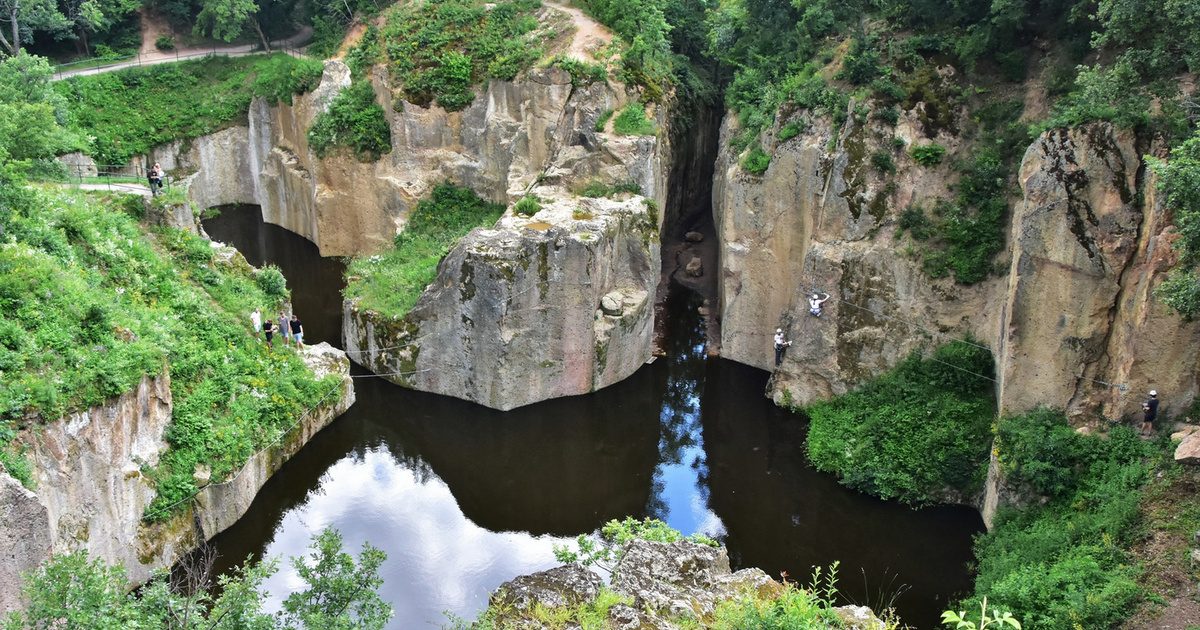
point(814, 303)
point(780, 346)
point(1150, 409)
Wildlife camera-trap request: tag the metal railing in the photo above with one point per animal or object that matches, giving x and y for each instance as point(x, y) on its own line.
point(97, 65)
point(116, 177)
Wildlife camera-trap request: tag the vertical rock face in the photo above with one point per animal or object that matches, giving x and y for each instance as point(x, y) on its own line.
point(24, 539)
point(1083, 330)
point(821, 218)
point(535, 129)
point(91, 492)
point(1075, 313)
point(532, 308)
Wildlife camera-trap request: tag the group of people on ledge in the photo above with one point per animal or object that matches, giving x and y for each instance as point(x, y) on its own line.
point(290, 328)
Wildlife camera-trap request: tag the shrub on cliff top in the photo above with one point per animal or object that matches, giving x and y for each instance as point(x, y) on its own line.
point(354, 121)
point(439, 50)
point(392, 282)
point(128, 112)
point(916, 433)
point(632, 121)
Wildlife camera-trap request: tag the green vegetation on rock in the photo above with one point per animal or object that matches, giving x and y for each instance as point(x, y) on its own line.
point(632, 121)
point(126, 113)
point(1063, 561)
point(438, 51)
point(353, 121)
point(918, 433)
point(72, 591)
point(1179, 183)
point(90, 303)
point(391, 283)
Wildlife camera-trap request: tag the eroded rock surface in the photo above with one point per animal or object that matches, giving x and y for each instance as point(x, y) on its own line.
point(529, 309)
point(667, 583)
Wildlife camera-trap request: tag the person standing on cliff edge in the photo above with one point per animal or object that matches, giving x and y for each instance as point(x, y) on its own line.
point(780, 346)
point(1150, 409)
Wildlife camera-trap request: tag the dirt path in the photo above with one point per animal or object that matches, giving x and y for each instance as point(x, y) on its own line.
point(292, 45)
point(590, 35)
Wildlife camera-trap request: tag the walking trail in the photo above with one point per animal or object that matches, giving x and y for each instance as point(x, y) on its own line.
point(590, 35)
point(149, 55)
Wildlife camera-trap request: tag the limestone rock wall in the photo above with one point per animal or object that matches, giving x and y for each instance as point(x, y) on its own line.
point(823, 218)
point(91, 492)
point(1073, 323)
point(557, 304)
point(1090, 238)
point(537, 128)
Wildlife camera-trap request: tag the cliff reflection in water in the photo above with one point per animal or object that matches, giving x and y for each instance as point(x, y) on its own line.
point(463, 498)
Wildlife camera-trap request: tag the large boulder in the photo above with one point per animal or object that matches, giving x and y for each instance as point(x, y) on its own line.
point(1188, 451)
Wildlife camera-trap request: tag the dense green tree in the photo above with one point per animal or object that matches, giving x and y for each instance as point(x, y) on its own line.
point(20, 18)
point(31, 112)
point(87, 17)
point(227, 19)
point(72, 592)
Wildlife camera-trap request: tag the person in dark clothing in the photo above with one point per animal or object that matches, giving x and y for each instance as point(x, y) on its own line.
point(1150, 409)
point(269, 331)
point(780, 346)
point(297, 331)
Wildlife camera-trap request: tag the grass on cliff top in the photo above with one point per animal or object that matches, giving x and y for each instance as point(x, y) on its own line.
point(439, 50)
point(1064, 560)
point(915, 432)
point(90, 302)
point(392, 282)
point(125, 113)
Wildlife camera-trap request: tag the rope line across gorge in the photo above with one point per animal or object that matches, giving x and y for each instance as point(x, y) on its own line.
point(1121, 387)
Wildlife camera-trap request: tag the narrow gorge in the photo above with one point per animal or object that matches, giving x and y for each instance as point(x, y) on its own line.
point(813, 295)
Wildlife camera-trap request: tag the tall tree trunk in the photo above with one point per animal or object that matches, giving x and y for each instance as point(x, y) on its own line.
point(265, 44)
point(14, 46)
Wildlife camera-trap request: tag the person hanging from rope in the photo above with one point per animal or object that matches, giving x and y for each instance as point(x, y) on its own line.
point(814, 303)
point(780, 346)
point(1150, 409)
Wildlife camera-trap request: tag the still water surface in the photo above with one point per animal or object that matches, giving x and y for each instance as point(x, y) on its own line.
point(463, 498)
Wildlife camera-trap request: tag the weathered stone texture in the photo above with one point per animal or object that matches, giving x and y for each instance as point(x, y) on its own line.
point(517, 313)
point(671, 585)
point(91, 492)
point(25, 539)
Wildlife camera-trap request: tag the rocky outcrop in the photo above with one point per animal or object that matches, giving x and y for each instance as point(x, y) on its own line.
point(91, 490)
point(821, 218)
point(26, 540)
point(1073, 324)
point(539, 307)
point(669, 585)
point(537, 128)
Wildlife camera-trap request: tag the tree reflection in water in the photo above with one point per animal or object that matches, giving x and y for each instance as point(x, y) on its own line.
point(679, 493)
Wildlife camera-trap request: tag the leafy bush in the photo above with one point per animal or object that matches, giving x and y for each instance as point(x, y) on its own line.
point(882, 161)
point(602, 121)
point(914, 433)
point(607, 549)
point(756, 161)
point(928, 154)
point(270, 279)
point(527, 206)
point(165, 42)
point(791, 608)
point(791, 130)
point(126, 113)
point(72, 591)
point(597, 188)
point(1063, 561)
point(354, 121)
point(440, 50)
point(392, 282)
point(582, 73)
point(632, 121)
